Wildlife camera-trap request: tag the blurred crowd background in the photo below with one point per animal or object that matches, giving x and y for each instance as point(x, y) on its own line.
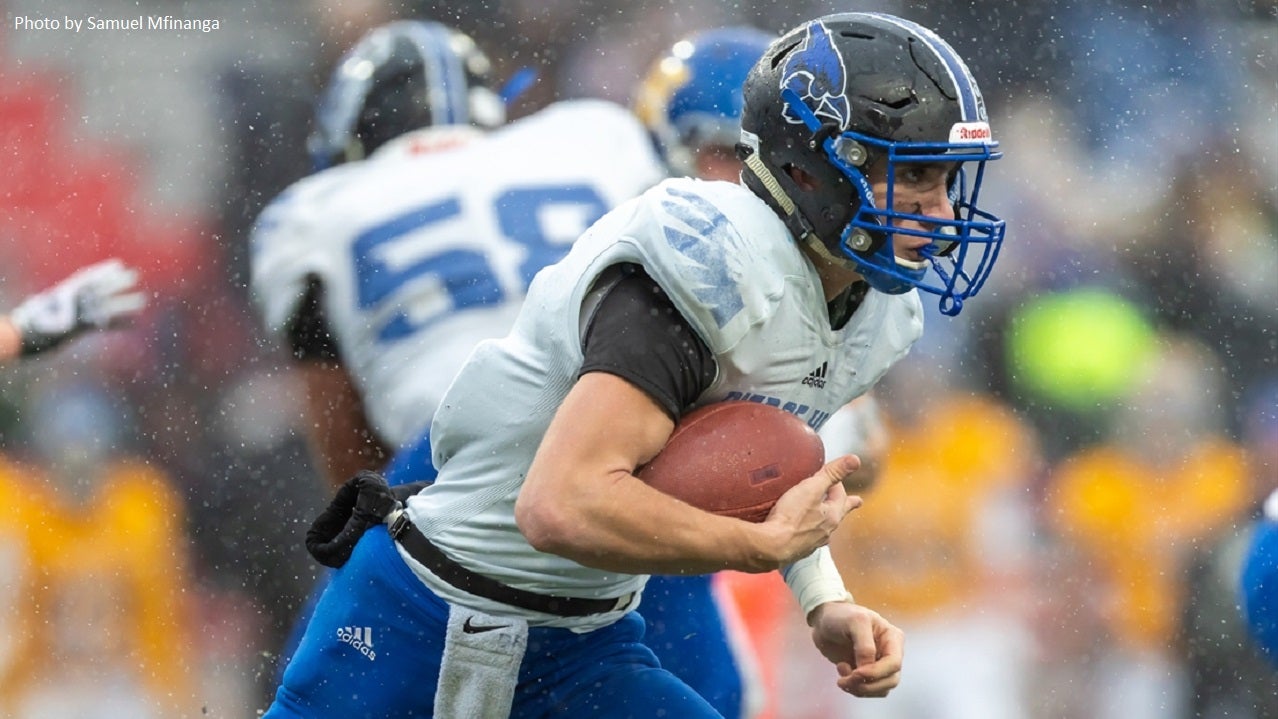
point(1074, 460)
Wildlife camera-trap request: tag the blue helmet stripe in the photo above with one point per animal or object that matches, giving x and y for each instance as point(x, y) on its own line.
point(446, 80)
point(959, 74)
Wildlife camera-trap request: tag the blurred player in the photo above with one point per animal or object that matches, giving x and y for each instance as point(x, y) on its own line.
point(945, 542)
point(506, 587)
point(407, 89)
point(1132, 509)
point(358, 267)
point(94, 297)
point(1231, 655)
point(691, 100)
point(1259, 581)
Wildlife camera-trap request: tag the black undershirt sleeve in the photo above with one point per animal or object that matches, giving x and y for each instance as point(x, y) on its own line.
point(309, 338)
point(637, 334)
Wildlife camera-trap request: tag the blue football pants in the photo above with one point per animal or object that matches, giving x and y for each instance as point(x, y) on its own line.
point(683, 626)
point(374, 646)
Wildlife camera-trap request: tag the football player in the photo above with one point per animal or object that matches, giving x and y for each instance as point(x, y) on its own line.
point(407, 89)
point(507, 587)
point(95, 297)
point(358, 267)
point(97, 588)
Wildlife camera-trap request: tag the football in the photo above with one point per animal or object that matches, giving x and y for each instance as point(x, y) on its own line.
point(735, 458)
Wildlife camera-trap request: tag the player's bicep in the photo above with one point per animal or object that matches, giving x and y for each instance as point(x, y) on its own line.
point(607, 423)
point(603, 430)
point(642, 367)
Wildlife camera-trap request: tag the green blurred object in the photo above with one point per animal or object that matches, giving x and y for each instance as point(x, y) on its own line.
point(1078, 350)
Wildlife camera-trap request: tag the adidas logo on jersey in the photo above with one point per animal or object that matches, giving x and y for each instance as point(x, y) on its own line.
point(359, 637)
point(816, 378)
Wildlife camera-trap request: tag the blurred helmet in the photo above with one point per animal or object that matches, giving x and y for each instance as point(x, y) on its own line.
point(78, 429)
point(400, 77)
point(845, 92)
point(691, 97)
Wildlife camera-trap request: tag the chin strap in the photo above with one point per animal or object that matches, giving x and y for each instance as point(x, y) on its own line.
point(769, 182)
point(794, 221)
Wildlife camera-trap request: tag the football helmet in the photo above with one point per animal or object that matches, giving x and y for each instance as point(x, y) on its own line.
point(843, 93)
point(691, 97)
point(400, 77)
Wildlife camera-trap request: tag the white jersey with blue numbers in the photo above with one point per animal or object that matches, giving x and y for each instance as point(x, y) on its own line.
point(734, 272)
point(428, 246)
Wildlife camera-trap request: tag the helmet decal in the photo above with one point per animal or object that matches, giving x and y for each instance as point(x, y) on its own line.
point(446, 76)
point(816, 72)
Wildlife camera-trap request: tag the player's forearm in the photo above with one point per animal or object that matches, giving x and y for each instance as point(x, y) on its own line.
point(339, 433)
point(340, 459)
point(623, 525)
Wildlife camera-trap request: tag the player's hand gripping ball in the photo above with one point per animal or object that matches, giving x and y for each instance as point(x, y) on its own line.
point(735, 458)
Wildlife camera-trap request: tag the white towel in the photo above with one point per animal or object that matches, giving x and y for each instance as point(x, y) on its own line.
point(482, 654)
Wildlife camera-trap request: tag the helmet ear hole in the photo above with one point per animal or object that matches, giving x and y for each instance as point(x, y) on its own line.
point(805, 180)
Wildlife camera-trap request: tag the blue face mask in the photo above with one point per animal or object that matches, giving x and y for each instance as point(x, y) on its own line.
point(961, 252)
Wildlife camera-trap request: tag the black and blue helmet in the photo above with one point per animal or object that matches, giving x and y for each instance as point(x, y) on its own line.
point(400, 77)
point(842, 93)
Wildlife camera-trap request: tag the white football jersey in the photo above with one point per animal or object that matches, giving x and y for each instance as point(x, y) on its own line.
point(428, 246)
point(733, 270)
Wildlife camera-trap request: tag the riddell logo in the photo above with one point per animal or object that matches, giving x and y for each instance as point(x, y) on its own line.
point(359, 637)
point(971, 132)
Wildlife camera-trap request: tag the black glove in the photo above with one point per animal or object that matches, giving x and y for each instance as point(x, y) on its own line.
point(403, 491)
point(362, 502)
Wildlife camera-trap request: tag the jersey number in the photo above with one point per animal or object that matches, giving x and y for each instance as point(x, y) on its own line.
point(466, 275)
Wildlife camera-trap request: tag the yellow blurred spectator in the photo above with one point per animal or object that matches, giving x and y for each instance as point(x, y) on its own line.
point(1131, 509)
point(96, 568)
point(942, 543)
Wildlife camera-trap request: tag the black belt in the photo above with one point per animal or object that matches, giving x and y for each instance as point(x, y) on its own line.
point(421, 549)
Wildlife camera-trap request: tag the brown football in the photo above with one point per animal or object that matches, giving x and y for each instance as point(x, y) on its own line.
point(735, 458)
